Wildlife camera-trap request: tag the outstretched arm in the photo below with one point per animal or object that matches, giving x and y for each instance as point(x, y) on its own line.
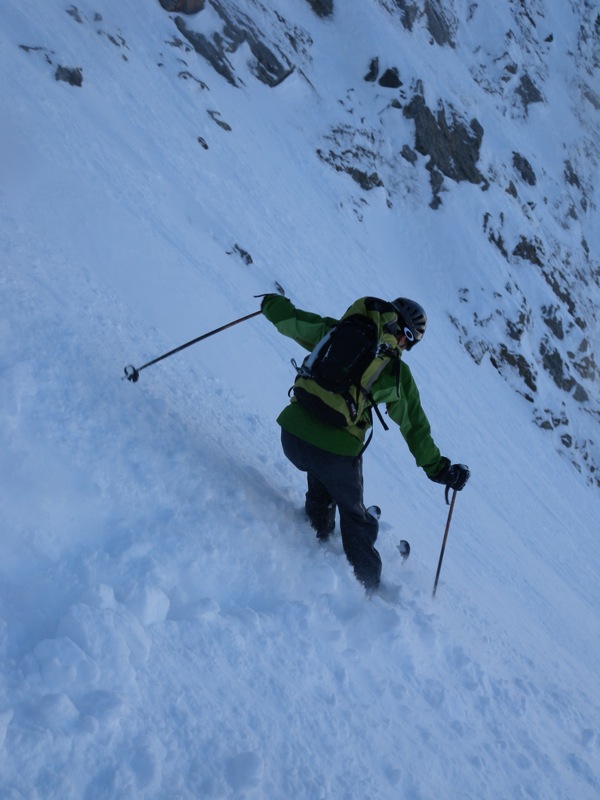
point(408, 413)
point(304, 327)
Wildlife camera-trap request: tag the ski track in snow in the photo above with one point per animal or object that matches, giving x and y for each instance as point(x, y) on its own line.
point(170, 627)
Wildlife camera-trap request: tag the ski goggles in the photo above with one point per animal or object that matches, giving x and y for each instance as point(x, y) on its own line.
point(409, 336)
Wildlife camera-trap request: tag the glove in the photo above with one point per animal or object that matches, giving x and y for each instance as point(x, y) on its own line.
point(266, 297)
point(270, 295)
point(453, 476)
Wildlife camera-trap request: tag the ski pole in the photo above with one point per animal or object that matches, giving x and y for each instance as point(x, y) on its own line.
point(133, 373)
point(437, 574)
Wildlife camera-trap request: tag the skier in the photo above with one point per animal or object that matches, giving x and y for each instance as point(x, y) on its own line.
point(332, 456)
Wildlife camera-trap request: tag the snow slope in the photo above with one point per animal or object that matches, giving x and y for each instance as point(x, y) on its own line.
point(170, 627)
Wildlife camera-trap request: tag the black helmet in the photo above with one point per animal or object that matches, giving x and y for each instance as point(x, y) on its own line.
point(411, 315)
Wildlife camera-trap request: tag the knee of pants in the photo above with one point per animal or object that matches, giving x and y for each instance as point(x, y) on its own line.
point(358, 527)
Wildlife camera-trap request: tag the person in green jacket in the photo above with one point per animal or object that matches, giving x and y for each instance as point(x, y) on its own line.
point(332, 456)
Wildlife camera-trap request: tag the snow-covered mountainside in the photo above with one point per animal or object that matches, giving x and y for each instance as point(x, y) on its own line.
point(169, 626)
point(505, 99)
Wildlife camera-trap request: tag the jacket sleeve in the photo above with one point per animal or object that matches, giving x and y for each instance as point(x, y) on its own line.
point(304, 327)
point(408, 414)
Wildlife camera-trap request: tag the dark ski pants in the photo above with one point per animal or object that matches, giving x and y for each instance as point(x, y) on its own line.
point(338, 479)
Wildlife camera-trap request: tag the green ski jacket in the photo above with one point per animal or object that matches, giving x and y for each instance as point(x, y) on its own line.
point(401, 397)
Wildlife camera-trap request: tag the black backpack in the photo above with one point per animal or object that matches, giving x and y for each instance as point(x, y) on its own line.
point(334, 381)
